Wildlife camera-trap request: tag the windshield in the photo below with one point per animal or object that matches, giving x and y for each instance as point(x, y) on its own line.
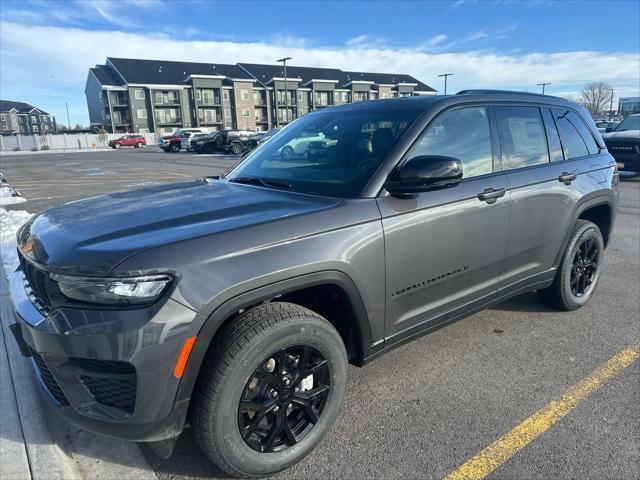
point(331, 153)
point(629, 123)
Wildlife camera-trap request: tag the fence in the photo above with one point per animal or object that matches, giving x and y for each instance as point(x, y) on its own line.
point(76, 141)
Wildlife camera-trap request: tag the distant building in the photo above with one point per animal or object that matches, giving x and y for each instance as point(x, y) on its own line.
point(628, 105)
point(140, 96)
point(20, 117)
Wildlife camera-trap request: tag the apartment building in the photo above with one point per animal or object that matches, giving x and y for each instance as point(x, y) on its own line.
point(20, 117)
point(132, 95)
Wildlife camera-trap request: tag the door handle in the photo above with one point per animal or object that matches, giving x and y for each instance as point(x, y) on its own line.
point(567, 177)
point(491, 195)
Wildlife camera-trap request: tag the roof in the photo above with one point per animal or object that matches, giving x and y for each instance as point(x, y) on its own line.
point(21, 107)
point(106, 75)
point(265, 73)
point(388, 79)
point(161, 72)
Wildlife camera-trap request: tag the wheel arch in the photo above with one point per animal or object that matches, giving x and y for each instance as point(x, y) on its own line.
point(327, 293)
point(599, 209)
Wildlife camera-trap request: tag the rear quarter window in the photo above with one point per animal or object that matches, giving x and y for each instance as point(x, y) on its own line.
point(577, 140)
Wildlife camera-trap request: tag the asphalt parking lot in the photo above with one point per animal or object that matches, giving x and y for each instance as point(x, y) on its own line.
point(426, 408)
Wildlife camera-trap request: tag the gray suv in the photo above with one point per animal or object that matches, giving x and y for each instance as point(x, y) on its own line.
point(234, 304)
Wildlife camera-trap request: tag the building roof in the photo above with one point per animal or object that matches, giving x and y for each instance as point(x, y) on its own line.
point(162, 72)
point(265, 73)
point(21, 107)
point(106, 75)
point(388, 79)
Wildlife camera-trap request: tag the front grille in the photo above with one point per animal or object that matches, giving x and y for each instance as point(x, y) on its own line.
point(114, 383)
point(35, 284)
point(47, 378)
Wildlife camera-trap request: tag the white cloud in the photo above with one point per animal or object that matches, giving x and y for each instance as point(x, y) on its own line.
point(61, 61)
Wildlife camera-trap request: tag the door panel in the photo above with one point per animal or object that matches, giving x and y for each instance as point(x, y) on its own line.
point(443, 249)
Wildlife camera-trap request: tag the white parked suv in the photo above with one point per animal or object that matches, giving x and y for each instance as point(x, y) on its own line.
point(187, 137)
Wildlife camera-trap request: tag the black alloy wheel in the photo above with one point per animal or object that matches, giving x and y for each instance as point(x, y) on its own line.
point(284, 398)
point(584, 267)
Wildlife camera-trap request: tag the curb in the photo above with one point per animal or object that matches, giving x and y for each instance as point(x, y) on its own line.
point(39, 444)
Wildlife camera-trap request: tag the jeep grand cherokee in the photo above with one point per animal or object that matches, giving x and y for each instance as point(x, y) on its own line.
point(235, 303)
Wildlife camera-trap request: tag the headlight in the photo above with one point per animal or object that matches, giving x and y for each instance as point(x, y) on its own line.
point(114, 291)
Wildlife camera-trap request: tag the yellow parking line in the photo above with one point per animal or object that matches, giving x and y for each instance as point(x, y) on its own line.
point(508, 445)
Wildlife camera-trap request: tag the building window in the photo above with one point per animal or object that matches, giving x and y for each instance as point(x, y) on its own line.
point(225, 94)
point(244, 95)
point(198, 94)
point(208, 116)
point(142, 113)
point(299, 96)
point(246, 112)
point(207, 97)
point(139, 94)
point(227, 114)
point(322, 98)
point(144, 130)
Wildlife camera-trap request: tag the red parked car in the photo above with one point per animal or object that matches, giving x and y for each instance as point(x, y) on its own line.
point(136, 141)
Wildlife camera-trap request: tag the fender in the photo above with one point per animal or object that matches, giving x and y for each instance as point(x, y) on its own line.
point(207, 331)
point(591, 200)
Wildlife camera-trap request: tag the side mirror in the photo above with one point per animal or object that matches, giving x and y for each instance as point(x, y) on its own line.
point(425, 172)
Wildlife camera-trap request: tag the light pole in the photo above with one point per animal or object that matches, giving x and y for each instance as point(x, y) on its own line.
point(544, 85)
point(68, 120)
point(445, 75)
point(286, 97)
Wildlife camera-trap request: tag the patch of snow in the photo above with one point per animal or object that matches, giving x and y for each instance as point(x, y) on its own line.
point(10, 222)
point(9, 196)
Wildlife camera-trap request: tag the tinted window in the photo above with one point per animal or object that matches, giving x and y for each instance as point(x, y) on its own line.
point(630, 123)
point(463, 134)
point(333, 153)
point(522, 137)
point(577, 141)
point(553, 139)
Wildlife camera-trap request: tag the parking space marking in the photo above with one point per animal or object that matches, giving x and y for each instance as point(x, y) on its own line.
point(501, 450)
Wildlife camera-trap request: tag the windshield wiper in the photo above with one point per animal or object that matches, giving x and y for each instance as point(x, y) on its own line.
point(264, 182)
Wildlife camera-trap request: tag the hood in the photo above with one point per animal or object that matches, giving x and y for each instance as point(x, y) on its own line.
point(625, 135)
point(92, 236)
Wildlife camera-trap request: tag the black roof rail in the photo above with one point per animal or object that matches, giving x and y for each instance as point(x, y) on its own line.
point(488, 91)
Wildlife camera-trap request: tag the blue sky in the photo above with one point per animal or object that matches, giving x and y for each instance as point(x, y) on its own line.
point(47, 46)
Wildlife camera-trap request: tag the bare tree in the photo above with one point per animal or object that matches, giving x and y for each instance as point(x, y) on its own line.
point(596, 97)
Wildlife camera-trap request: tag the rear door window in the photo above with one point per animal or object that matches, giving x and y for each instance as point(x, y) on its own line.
point(577, 140)
point(522, 137)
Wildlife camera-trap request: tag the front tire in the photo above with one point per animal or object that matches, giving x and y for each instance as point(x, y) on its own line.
point(579, 271)
point(116, 145)
point(139, 145)
point(257, 408)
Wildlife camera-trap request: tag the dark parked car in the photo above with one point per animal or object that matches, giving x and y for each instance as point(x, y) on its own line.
point(236, 303)
point(136, 141)
point(623, 142)
point(226, 141)
point(262, 137)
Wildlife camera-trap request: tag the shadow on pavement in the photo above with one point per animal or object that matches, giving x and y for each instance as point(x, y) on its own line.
point(187, 460)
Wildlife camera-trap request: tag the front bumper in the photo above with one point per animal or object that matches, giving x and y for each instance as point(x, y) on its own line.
point(108, 371)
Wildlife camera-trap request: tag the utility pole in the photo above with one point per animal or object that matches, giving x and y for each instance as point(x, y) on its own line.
point(286, 91)
point(445, 75)
point(544, 85)
point(68, 121)
point(611, 101)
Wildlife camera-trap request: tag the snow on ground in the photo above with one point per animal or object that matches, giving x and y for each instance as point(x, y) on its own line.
point(10, 222)
point(7, 198)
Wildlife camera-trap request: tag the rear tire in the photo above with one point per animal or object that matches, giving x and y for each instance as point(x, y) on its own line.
point(236, 148)
point(234, 368)
point(579, 270)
